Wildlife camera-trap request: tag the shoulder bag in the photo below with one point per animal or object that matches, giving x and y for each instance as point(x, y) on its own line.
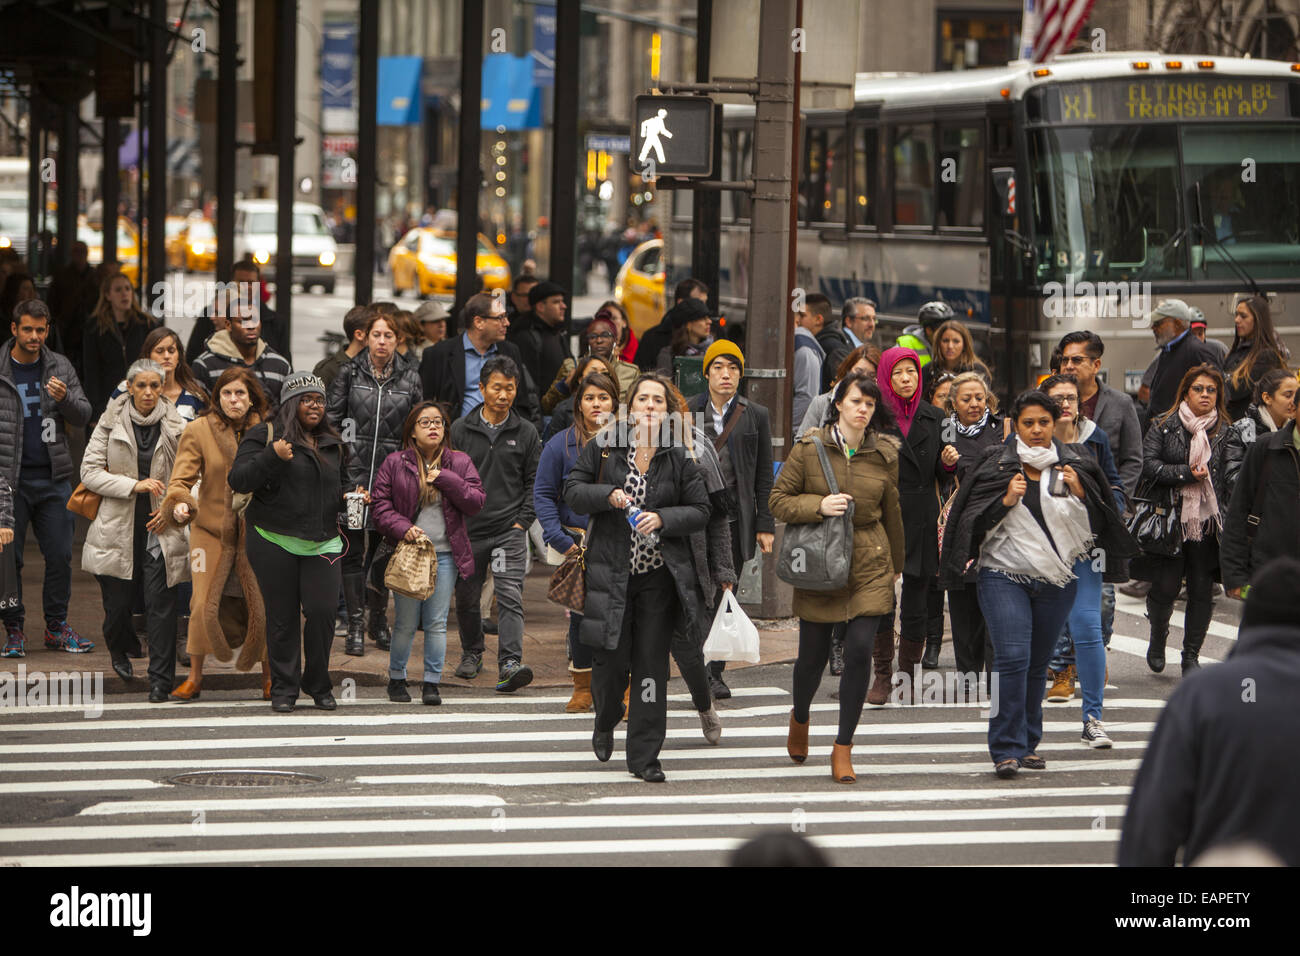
point(568, 586)
point(1156, 523)
point(817, 556)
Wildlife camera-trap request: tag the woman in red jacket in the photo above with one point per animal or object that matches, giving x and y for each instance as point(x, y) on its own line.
point(426, 490)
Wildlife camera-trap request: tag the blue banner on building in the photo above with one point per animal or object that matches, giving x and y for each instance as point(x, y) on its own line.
point(338, 85)
point(543, 52)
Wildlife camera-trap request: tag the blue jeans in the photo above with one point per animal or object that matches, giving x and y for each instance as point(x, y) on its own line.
point(1063, 655)
point(1024, 621)
point(1084, 629)
point(431, 613)
point(43, 503)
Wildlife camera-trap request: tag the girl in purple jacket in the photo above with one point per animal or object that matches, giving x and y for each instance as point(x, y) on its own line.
point(426, 490)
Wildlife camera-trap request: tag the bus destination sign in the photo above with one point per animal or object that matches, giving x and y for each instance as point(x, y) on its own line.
point(1167, 99)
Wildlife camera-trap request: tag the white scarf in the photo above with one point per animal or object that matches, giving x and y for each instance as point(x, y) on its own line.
point(1018, 547)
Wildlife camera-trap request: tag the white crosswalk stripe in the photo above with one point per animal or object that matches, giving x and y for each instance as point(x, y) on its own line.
point(502, 781)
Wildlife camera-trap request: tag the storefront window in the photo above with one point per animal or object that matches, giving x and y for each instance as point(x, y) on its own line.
point(969, 40)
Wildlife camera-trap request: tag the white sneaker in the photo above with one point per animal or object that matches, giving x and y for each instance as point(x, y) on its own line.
point(711, 725)
point(1094, 735)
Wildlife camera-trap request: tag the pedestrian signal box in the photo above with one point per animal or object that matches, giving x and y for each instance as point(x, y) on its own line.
point(672, 136)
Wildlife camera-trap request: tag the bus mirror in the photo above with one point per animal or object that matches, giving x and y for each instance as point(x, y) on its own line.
point(1004, 185)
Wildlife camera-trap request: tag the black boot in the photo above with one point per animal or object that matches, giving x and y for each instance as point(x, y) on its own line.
point(1191, 652)
point(353, 586)
point(1158, 616)
point(183, 640)
point(930, 659)
point(377, 604)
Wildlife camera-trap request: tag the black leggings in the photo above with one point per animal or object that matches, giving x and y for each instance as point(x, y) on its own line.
point(295, 587)
point(814, 650)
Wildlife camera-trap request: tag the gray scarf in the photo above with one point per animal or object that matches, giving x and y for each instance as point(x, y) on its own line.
point(153, 418)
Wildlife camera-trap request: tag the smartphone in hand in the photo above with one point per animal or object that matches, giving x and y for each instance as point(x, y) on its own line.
point(1056, 485)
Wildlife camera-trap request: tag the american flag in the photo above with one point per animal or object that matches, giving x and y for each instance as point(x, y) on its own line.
point(1050, 26)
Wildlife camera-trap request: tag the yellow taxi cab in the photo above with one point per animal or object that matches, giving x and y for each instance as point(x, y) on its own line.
point(200, 246)
point(639, 286)
point(424, 262)
point(128, 249)
point(174, 232)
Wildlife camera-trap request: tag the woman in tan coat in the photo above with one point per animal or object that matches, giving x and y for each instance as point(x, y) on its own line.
point(127, 461)
point(226, 610)
point(866, 471)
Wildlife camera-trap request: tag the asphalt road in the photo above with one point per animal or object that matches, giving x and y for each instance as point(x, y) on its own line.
point(487, 779)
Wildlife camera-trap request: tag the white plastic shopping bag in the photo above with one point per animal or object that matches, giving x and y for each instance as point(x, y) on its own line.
point(733, 636)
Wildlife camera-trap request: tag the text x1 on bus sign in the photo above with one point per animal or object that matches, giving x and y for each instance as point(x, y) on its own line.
point(672, 136)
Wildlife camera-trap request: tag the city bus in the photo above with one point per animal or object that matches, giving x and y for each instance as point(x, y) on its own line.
point(1136, 177)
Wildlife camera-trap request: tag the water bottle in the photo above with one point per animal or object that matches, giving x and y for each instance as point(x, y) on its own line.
point(633, 513)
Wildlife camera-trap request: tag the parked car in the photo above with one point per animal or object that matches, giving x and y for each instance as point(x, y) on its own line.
point(639, 286)
point(424, 262)
point(314, 250)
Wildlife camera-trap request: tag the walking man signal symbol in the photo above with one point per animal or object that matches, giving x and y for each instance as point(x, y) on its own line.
point(651, 130)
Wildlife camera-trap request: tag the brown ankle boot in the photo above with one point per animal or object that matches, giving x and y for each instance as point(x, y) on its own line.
point(842, 764)
point(796, 744)
point(580, 702)
point(909, 656)
point(882, 659)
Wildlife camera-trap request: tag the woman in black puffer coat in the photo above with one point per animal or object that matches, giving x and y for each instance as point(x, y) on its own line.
point(639, 582)
point(1195, 484)
point(368, 403)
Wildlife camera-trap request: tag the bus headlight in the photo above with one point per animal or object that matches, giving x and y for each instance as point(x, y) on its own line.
point(326, 258)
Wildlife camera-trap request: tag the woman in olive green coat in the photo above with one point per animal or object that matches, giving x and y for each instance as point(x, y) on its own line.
point(865, 467)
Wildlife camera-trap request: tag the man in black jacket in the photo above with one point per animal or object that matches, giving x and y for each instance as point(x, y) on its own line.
point(273, 330)
point(39, 393)
point(654, 340)
point(539, 336)
point(505, 450)
point(1275, 502)
point(742, 435)
point(1220, 768)
point(449, 370)
point(1179, 351)
point(831, 338)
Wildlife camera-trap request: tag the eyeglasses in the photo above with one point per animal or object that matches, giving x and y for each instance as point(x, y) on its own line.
point(312, 401)
point(1075, 360)
point(429, 423)
point(502, 317)
point(600, 335)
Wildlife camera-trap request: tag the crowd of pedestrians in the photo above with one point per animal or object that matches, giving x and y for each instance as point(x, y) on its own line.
point(241, 504)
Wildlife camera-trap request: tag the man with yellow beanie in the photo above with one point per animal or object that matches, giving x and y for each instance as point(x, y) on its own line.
point(742, 434)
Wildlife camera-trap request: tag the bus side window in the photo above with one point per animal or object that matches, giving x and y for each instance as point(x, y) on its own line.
point(864, 176)
point(914, 174)
point(961, 178)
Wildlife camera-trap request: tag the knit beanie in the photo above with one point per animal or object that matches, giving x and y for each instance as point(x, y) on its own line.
point(301, 383)
point(724, 347)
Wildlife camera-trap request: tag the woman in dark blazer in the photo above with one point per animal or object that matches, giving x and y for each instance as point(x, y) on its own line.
point(639, 581)
point(921, 458)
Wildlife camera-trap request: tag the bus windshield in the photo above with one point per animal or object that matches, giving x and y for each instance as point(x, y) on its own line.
point(1249, 209)
point(1105, 203)
point(1108, 205)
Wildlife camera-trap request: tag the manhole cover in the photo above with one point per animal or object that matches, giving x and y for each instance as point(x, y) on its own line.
point(245, 778)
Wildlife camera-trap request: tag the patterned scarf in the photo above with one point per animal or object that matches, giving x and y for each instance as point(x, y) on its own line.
point(972, 431)
point(1200, 506)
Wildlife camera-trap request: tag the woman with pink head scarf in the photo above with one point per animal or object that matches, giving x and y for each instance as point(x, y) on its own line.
point(921, 459)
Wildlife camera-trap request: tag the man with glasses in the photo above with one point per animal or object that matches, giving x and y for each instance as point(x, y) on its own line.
point(449, 371)
point(1111, 409)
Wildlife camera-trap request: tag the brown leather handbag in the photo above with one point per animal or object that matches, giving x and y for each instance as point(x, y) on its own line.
point(569, 582)
point(85, 502)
